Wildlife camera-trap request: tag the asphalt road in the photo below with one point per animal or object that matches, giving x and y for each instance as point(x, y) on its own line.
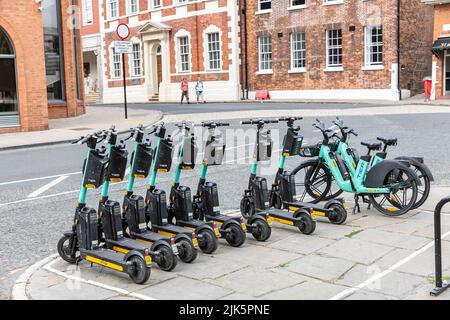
point(32, 218)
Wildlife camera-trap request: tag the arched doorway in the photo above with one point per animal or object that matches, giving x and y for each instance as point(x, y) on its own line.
point(9, 107)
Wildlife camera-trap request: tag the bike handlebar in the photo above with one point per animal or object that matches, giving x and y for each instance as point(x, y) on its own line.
point(288, 119)
point(259, 121)
point(212, 124)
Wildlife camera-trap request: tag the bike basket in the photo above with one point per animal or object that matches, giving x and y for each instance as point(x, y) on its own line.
point(142, 161)
point(189, 157)
point(310, 151)
point(96, 170)
point(117, 164)
point(264, 146)
point(214, 153)
point(292, 144)
point(164, 157)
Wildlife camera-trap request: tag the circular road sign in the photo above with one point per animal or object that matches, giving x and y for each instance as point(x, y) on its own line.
point(123, 31)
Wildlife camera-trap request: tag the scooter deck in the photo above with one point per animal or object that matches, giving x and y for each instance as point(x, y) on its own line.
point(281, 216)
point(105, 257)
point(150, 237)
point(221, 218)
point(192, 224)
point(171, 230)
point(294, 206)
point(126, 245)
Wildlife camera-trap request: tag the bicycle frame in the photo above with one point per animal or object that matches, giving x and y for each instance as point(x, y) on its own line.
point(358, 173)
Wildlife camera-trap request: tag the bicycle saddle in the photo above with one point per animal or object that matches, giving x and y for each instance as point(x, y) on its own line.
point(372, 145)
point(388, 141)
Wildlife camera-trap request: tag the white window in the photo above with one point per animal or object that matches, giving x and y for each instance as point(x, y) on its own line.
point(298, 51)
point(87, 12)
point(156, 3)
point(333, 1)
point(213, 54)
point(265, 53)
point(136, 65)
point(184, 64)
point(374, 46)
point(113, 8)
point(297, 3)
point(116, 64)
point(334, 48)
point(264, 5)
point(133, 6)
point(182, 1)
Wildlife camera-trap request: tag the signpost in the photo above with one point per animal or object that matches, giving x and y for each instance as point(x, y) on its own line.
point(123, 47)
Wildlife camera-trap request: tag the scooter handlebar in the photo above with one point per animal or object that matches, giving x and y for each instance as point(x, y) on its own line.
point(287, 119)
point(259, 121)
point(212, 124)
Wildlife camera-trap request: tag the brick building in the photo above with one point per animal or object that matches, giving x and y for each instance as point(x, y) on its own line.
point(336, 49)
point(172, 40)
point(39, 55)
point(441, 49)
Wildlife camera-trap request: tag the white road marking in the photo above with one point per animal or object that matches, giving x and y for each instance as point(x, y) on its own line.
point(39, 178)
point(48, 186)
point(380, 275)
point(49, 267)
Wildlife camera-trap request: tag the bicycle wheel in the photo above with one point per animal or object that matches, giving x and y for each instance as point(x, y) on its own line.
point(402, 197)
point(312, 181)
point(334, 192)
point(424, 189)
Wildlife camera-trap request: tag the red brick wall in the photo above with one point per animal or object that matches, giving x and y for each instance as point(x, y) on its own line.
point(23, 22)
point(314, 20)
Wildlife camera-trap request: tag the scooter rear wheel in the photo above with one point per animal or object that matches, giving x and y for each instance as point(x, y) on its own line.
point(138, 272)
point(186, 251)
point(235, 236)
point(166, 259)
point(247, 208)
point(207, 241)
point(339, 216)
point(261, 230)
point(65, 252)
point(308, 226)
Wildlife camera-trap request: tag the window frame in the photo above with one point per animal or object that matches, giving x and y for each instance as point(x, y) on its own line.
point(218, 50)
point(186, 53)
point(368, 45)
point(109, 9)
point(113, 63)
point(90, 11)
point(12, 56)
point(334, 47)
point(133, 59)
point(301, 51)
point(267, 10)
point(264, 54)
point(129, 7)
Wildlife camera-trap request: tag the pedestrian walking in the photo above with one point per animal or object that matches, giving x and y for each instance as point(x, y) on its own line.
point(199, 89)
point(184, 90)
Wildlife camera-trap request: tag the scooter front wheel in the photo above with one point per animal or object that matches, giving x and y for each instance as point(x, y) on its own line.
point(247, 208)
point(235, 236)
point(138, 270)
point(186, 251)
point(166, 259)
point(207, 241)
point(68, 249)
point(308, 225)
point(261, 230)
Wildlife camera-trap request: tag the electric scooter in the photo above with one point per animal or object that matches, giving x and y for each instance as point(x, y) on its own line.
point(282, 195)
point(180, 208)
point(84, 236)
point(206, 202)
point(111, 214)
point(156, 201)
point(255, 201)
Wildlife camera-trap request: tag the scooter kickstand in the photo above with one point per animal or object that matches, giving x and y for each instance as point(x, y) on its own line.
point(356, 207)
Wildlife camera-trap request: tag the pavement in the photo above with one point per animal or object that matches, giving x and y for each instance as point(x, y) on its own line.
point(371, 257)
point(65, 130)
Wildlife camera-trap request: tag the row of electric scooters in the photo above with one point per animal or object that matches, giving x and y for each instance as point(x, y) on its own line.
point(130, 237)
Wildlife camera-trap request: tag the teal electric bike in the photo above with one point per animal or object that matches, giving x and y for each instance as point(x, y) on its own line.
point(384, 183)
point(83, 242)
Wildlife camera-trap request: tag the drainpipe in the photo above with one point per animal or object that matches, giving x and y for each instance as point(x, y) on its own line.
point(244, 11)
point(398, 49)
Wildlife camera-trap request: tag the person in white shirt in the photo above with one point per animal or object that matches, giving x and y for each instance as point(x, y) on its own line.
point(199, 89)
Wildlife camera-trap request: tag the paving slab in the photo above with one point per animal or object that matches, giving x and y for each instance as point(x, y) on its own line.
point(397, 284)
point(319, 267)
point(407, 227)
point(369, 295)
point(253, 281)
point(356, 250)
point(301, 244)
point(308, 290)
point(392, 239)
point(185, 289)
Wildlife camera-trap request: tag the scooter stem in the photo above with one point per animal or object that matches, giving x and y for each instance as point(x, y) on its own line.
point(83, 189)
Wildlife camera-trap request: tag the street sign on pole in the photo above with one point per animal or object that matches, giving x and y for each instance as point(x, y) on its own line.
point(123, 47)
